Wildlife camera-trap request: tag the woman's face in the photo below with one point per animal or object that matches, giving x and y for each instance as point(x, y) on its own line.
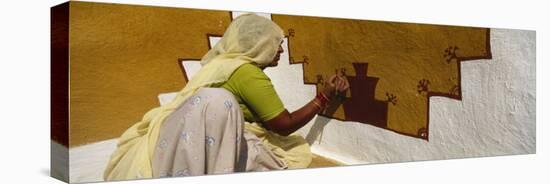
point(275, 61)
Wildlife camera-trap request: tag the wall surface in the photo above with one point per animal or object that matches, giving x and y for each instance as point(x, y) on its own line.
point(496, 115)
point(123, 56)
point(392, 68)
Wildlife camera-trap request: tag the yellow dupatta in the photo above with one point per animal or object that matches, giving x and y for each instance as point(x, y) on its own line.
point(248, 39)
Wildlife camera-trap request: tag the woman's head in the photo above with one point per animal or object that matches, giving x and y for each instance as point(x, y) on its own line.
point(250, 37)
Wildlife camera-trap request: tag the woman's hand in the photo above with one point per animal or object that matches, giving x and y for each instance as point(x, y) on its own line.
point(286, 123)
point(337, 83)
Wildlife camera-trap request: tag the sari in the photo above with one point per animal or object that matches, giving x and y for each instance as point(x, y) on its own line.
point(248, 39)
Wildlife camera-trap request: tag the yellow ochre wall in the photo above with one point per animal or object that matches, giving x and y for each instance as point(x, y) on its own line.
point(123, 56)
point(410, 62)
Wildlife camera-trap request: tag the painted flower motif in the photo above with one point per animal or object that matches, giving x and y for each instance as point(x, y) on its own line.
point(183, 172)
point(210, 141)
point(228, 104)
point(185, 136)
point(196, 100)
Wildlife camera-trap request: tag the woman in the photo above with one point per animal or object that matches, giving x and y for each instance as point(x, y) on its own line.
point(203, 129)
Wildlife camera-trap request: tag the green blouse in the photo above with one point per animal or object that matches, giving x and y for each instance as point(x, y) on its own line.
point(255, 93)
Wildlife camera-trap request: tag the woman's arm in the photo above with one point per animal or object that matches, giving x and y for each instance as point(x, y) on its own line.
point(286, 123)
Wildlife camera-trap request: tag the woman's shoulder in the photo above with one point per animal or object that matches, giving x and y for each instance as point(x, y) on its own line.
point(249, 70)
point(249, 67)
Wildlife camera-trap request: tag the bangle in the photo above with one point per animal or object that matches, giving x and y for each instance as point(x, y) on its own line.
point(322, 98)
point(317, 104)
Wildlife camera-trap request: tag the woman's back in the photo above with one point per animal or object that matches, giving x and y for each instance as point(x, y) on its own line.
point(255, 93)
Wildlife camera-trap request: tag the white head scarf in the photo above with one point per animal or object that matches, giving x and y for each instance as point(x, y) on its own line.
point(249, 37)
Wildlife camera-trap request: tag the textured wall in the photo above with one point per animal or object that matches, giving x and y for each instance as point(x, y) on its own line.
point(117, 49)
point(123, 56)
point(496, 115)
point(393, 68)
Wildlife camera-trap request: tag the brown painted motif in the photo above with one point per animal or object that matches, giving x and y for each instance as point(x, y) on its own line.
point(407, 64)
point(362, 106)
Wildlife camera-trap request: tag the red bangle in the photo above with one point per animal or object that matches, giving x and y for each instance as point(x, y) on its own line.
point(318, 105)
point(324, 96)
point(322, 99)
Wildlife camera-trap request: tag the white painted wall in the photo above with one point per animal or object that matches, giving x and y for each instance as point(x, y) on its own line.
point(495, 117)
point(87, 163)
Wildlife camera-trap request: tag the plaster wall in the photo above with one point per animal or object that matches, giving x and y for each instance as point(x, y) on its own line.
point(496, 115)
